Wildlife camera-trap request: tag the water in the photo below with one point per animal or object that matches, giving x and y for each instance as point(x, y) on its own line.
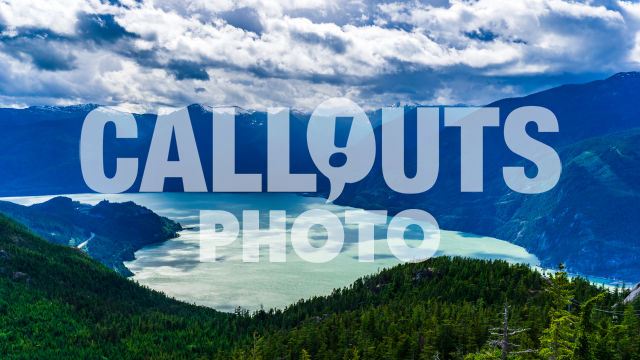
point(173, 267)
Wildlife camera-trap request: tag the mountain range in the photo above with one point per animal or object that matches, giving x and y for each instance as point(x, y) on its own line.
point(588, 221)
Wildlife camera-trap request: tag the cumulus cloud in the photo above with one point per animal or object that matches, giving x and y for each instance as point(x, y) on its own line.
point(149, 54)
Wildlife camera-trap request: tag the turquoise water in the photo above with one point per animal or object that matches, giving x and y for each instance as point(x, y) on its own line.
point(173, 267)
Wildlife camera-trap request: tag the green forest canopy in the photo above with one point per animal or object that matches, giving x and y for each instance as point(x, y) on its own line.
point(57, 303)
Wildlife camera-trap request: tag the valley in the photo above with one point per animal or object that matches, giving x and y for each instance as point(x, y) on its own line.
point(173, 266)
point(593, 204)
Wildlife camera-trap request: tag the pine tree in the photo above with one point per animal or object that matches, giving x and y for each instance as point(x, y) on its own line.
point(305, 355)
point(558, 340)
point(586, 336)
point(632, 321)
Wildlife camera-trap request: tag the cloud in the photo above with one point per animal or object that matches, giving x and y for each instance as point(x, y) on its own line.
point(153, 54)
point(100, 28)
point(185, 69)
point(51, 59)
point(45, 50)
point(481, 34)
point(335, 43)
point(244, 18)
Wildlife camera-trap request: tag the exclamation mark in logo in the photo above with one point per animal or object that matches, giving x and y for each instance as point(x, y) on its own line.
point(343, 129)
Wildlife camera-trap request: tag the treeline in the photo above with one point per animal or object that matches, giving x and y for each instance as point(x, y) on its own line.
point(57, 303)
point(444, 309)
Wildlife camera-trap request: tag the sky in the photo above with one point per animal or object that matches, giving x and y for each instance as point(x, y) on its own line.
point(146, 55)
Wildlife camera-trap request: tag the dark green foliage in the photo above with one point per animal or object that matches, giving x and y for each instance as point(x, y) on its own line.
point(442, 306)
point(58, 303)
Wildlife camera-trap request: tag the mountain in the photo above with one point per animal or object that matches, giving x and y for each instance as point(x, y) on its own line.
point(108, 232)
point(586, 110)
point(58, 303)
point(593, 204)
point(40, 149)
point(587, 221)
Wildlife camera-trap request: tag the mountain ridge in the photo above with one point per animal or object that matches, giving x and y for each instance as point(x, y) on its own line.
point(596, 110)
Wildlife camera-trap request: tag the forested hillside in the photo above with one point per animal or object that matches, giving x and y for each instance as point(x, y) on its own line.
point(446, 309)
point(109, 232)
point(56, 302)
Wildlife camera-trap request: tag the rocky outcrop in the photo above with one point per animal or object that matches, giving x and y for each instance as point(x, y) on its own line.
point(635, 293)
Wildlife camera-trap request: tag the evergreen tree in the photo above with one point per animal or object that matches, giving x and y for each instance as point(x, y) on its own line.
point(305, 355)
point(586, 336)
point(558, 340)
point(632, 324)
